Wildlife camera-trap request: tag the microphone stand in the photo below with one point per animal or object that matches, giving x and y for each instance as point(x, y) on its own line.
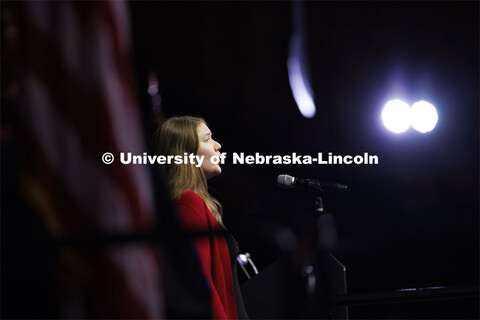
point(317, 272)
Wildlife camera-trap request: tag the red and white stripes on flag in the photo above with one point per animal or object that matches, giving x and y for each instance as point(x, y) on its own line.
point(78, 103)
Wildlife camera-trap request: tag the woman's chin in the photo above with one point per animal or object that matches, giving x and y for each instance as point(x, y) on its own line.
point(213, 173)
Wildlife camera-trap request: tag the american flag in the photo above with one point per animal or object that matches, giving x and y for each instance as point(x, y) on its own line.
point(78, 102)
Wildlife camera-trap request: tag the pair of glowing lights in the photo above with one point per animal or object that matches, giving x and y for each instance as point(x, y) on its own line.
point(397, 116)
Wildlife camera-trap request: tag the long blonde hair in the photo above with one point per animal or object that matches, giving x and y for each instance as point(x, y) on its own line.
point(177, 136)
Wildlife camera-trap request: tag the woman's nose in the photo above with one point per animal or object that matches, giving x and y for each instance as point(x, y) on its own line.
point(218, 146)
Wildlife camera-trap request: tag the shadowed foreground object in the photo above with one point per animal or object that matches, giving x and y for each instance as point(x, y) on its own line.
point(78, 101)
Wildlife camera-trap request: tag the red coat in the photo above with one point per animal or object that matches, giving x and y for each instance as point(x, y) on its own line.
point(213, 254)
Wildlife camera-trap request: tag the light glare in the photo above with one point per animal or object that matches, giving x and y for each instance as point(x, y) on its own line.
point(300, 88)
point(396, 116)
point(424, 116)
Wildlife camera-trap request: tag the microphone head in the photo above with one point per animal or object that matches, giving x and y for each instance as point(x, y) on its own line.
point(285, 181)
point(341, 187)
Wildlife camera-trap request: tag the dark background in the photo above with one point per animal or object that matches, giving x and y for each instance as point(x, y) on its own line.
point(411, 220)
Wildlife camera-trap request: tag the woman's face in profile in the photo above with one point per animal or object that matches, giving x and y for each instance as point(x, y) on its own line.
point(208, 148)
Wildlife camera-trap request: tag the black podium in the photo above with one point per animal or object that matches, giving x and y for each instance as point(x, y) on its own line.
point(281, 292)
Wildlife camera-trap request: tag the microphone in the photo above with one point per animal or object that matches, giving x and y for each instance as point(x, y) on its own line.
point(245, 259)
point(285, 181)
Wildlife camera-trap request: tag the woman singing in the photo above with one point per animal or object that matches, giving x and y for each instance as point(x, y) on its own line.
point(198, 210)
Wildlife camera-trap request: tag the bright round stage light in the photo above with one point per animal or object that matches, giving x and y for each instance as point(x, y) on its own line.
point(424, 116)
point(396, 116)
